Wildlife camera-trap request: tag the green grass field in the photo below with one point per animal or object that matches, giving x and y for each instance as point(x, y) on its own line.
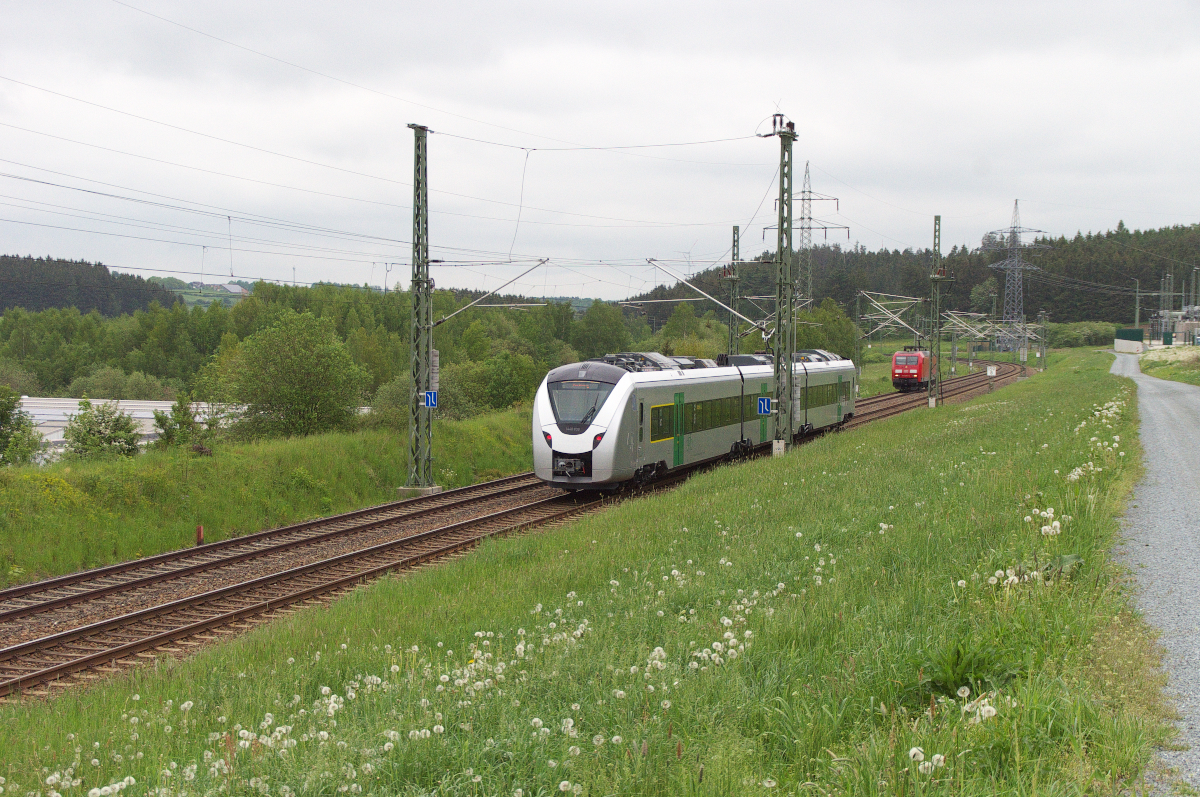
point(879, 612)
point(72, 516)
point(1179, 364)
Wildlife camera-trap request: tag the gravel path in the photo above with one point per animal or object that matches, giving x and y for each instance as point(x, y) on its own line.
point(1162, 543)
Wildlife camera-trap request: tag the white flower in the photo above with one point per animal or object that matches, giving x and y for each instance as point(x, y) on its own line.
point(961, 583)
point(992, 580)
point(925, 767)
point(987, 712)
point(616, 740)
point(964, 692)
point(536, 723)
point(564, 786)
point(916, 754)
point(768, 783)
point(939, 760)
point(438, 729)
point(597, 740)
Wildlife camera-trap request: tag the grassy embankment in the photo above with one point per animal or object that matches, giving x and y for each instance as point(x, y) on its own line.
point(799, 625)
point(1180, 364)
point(71, 516)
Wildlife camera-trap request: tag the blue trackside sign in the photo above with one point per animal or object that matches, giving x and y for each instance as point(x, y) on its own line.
point(431, 399)
point(764, 405)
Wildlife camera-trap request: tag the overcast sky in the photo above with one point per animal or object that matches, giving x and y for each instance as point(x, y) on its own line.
point(1087, 112)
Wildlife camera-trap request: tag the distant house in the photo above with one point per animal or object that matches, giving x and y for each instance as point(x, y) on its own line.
point(236, 290)
point(196, 285)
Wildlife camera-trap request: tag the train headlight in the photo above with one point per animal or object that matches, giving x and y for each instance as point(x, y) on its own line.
point(549, 439)
point(596, 440)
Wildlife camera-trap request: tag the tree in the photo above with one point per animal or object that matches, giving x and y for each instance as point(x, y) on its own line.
point(19, 440)
point(101, 431)
point(601, 330)
point(981, 296)
point(682, 323)
point(295, 378)
point(178, 427)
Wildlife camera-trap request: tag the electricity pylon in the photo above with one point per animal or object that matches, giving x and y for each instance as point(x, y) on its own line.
point(804, 275)
point(1014, 268)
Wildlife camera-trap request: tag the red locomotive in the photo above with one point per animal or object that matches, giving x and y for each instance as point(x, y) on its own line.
point(912, 369)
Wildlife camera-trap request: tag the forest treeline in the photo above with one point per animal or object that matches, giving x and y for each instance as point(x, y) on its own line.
point(42, 283)
point(1113, 258)
point(491, 358)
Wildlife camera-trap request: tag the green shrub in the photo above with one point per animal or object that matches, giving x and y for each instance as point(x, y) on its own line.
point(1082, 333)
point(19, 440)
point(295, 378)
point(101, 431)
point(113, 383)
point(16, 378)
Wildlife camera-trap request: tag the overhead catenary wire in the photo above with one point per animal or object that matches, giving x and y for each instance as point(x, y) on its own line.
point(311, 162)
point(622, 222)
point(572, 145)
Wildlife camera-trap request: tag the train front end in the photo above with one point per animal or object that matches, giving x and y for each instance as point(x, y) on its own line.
point(575, 410)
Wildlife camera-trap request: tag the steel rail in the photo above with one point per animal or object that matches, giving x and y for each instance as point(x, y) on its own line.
point(45, 646)
point(397, 511)
point(447, 539)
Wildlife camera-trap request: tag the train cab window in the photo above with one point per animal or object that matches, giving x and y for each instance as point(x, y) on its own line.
point(641, 420)
point(576, 403)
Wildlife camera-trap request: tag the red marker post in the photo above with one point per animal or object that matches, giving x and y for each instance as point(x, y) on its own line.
point(199, 535)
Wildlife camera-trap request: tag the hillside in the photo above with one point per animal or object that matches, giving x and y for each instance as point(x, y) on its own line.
point(1113, 258)
point(46, 283)
point(916, 636)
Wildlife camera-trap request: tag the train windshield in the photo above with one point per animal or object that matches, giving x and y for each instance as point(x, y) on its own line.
point(576, 403)
point(907, 360)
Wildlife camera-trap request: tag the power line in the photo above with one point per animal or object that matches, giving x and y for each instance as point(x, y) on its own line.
point(145, 224)
point(218, 211)
point(639, 223)
point(574, 145)
point(619, 148)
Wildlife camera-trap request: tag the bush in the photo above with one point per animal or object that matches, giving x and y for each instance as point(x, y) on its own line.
point(101, 431)
point(19, 440)
point(472, 388)
point(389, 408)
point(17, 379)
point(178, 427)
point(1082, 333)
point(113, 383)
point(295, 378)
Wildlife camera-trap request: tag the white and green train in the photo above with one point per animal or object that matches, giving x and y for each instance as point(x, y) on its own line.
point(635, 417)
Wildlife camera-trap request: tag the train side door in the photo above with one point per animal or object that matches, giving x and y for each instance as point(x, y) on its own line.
point(839, 399)
point(678, 429)
point(641, 428)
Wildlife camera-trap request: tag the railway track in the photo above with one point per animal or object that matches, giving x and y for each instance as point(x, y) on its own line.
point(404, 534)
point(889, 404)
point(27, 599)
